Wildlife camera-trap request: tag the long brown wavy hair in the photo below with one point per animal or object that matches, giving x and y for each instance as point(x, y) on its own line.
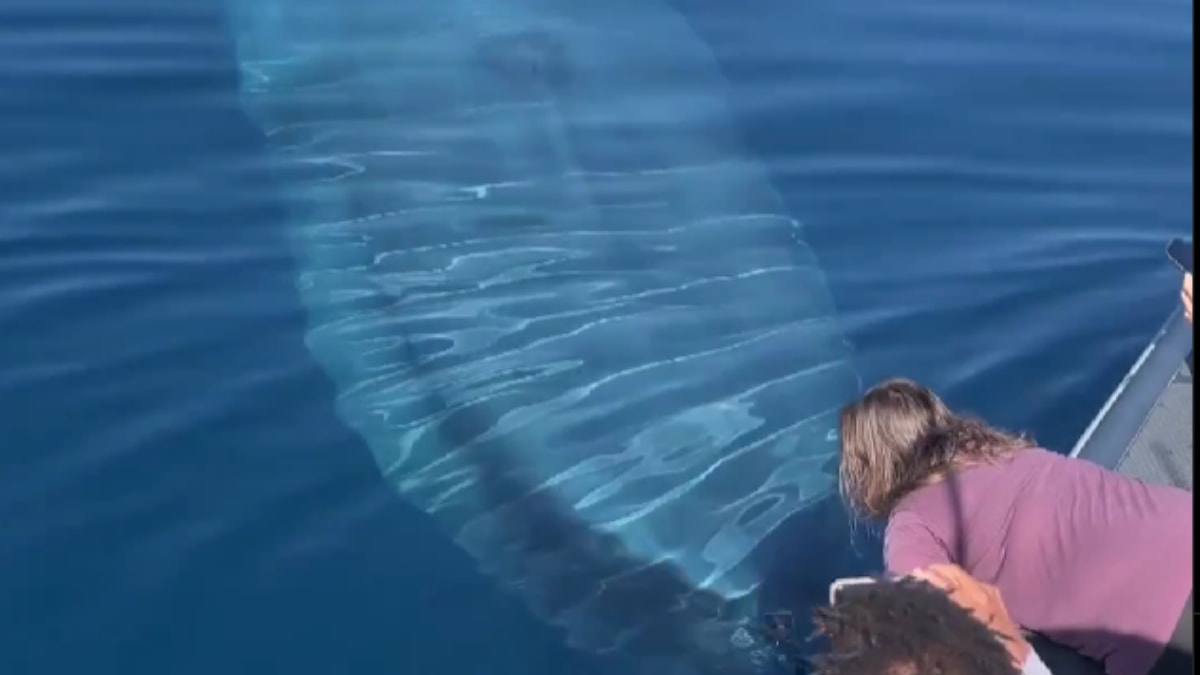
point(900, 436)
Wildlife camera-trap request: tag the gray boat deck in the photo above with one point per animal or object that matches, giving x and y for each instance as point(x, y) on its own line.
point(1144, 429)
point(1162, 450)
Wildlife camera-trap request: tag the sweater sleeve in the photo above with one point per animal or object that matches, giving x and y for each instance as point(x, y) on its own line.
point(909, 544)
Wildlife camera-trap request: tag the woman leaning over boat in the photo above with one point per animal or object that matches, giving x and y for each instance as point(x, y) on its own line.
point(1092, 559)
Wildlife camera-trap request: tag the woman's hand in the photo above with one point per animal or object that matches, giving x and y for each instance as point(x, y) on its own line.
point(1186, 296)
point(983, 601)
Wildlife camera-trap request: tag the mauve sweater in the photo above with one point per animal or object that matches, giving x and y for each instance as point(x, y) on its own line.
point(1088, 557)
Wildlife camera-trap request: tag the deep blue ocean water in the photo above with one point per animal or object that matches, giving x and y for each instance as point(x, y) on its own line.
point(988, 185)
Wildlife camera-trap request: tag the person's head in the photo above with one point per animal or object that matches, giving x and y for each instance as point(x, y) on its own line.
point(899, 435)
point(906, 627)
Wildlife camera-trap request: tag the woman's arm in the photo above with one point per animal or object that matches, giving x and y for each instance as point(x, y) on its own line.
point(909, 544)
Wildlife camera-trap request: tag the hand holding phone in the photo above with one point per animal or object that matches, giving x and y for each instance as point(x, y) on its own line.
point(1180, 253)
point(1185, 296)
point(840, 585)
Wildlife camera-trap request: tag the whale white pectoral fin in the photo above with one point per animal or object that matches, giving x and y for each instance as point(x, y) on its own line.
point(605, 368)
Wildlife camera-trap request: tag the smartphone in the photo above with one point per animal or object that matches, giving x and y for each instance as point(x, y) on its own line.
point(1180, 253)
point(839, 587)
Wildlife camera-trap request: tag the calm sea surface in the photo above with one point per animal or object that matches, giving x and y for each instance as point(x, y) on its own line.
point(988, 184)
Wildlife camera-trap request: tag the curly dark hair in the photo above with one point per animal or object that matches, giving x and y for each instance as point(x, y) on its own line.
point(906, 627)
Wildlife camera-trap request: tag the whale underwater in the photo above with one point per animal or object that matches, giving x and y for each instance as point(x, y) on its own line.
point(564, 308)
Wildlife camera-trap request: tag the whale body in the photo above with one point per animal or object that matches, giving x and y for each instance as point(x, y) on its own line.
point(561, 304)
